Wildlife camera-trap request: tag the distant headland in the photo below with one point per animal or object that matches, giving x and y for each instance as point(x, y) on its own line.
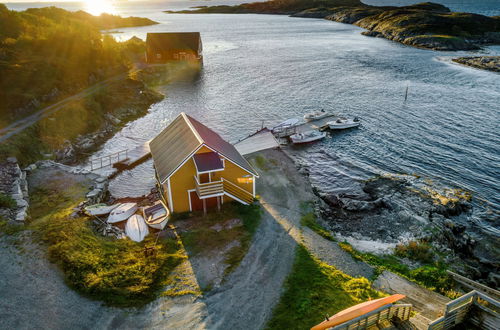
point(424, 25)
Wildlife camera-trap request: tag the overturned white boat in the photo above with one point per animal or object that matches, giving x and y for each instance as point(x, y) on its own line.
point(122, 212)
point(289, 123)
point(100, 209)
point(343, 123)
point(306, 137)
point(136, 229)
point(156, 216)
point(316, 115)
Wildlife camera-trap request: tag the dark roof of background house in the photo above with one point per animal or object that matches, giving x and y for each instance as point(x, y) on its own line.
point(174, 40)
point(208, 161)
point(181, 138)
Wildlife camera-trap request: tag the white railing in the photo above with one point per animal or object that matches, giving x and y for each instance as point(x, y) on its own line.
point(209, 189)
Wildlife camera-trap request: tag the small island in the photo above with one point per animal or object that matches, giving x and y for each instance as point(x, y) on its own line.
point(490, 63)
point(424, 25)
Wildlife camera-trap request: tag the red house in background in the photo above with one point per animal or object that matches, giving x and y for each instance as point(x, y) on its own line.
point(173, 46)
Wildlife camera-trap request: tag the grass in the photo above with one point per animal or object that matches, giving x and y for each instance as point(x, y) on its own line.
point(7, 201)
point(114, 271)
point(204, 239)
point(261, 162)
point(432, 276)
point(9, 228)
point(314, 289)
point(309, 219)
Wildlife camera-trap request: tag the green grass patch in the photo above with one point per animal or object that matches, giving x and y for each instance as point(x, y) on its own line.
point(7, 201)
point(432, 276)
point(9, 228)
point(116, 272)
point(203, 238)
point(314, 289)
point(309, 220)
point(261, 163)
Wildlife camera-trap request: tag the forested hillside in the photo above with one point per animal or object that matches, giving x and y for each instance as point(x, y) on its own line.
point(48, 53)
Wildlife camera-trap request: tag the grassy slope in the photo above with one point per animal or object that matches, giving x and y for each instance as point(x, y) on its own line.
point(49, 54)
point(114, 271)
point(431, 275)
point(314, 289)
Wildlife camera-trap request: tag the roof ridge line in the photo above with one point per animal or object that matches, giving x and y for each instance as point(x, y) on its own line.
point(195, 132)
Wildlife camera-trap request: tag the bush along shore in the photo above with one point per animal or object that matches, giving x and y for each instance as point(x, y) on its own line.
point(424, 25)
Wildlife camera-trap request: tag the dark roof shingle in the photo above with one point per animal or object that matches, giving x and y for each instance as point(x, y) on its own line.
point(174, 40)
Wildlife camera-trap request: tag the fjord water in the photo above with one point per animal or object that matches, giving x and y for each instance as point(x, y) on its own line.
point(271, 68)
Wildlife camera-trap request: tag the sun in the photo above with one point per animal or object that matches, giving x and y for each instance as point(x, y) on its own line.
point(97, 7)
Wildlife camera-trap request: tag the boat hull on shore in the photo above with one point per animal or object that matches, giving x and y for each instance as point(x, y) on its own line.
point(122, 212)
point(136, 228)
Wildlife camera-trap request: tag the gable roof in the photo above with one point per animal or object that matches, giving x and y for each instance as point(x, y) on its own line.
point(174, 40)
point(181, 138)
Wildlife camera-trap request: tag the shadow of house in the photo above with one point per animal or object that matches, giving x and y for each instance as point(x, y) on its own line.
point(169, 47)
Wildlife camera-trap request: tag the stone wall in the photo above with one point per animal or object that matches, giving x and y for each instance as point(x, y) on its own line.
point(13, 183)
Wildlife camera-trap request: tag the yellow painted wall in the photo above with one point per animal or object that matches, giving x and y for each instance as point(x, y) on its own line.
point(183, 180)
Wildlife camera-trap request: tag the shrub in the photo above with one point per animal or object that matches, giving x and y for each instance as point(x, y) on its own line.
point(419, 251)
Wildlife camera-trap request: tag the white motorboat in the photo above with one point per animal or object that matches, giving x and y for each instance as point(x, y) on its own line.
point(100, 209)
point(316, 115)
point(306, 137)
point(136, 229)
point(343, 123)
point(122, 212)
point(156, 216)
point(284, 125)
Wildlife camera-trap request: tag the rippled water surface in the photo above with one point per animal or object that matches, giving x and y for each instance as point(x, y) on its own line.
point(270, 68)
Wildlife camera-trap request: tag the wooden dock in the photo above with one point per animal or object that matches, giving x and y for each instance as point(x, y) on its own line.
point(319, 124)
point(121, 160)
point(136, 156)
point(261, 140)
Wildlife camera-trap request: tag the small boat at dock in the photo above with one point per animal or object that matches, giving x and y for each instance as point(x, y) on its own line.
point(306, 137)
point(343, 123)
point(136, 229)
point(122, 212)
point(100, 209)
point(316, 115)
point(156, 216)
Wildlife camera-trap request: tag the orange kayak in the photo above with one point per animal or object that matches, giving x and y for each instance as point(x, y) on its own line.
point(357, 310)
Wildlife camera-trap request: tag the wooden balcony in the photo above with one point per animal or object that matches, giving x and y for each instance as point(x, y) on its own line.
point(209, 189)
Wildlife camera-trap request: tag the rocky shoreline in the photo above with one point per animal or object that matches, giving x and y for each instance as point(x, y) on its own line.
point(390, 210)
point(489, 63)
point(424, 25)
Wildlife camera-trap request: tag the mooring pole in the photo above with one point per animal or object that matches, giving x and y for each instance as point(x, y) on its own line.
point(406, 93)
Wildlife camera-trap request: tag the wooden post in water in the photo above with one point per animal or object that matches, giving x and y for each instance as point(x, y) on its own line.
point(406, 93)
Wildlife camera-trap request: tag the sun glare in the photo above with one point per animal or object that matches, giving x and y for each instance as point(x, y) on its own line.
point(97, 7)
